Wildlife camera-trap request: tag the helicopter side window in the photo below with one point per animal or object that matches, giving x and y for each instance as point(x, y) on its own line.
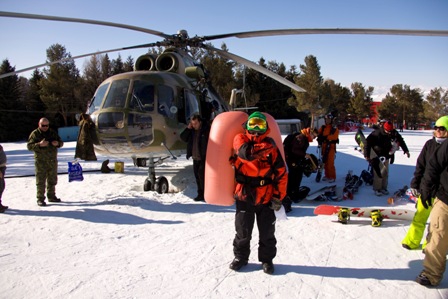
point(191, 104)
point(116, 98)
point(95, 104)
point(142, 96)
point(165, 96)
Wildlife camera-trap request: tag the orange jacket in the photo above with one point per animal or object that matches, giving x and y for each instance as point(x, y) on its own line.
point(260, 171)
point(325, 131)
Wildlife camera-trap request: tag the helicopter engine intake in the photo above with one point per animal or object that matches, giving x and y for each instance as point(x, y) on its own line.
point(170, 62)
point(145, 62)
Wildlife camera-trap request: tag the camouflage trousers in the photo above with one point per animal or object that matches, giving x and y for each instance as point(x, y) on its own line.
point(46, 176)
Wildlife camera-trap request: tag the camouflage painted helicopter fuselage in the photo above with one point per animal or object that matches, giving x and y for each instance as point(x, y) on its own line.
point(142, 113)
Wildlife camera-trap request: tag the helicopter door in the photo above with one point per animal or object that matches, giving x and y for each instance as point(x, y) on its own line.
point(140, 120)
point(111, 117)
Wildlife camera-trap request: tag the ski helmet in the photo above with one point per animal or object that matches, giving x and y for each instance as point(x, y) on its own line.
point(442, 122)
point(257, 122)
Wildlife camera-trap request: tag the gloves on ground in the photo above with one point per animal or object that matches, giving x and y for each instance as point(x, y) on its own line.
point(276, 204)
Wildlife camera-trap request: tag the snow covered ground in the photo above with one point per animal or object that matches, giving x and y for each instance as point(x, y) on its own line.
point(110, 239)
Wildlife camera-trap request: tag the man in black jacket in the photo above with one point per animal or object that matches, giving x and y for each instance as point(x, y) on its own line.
point(435, 184)
point(384, 142)
point(196, 135)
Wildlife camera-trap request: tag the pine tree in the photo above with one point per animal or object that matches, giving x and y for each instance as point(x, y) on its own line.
point(10, 104)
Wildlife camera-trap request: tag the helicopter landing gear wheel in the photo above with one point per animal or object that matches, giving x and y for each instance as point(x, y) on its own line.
point(161, 185)
point(147, 185)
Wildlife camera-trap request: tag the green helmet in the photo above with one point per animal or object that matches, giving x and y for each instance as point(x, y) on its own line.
point(257, 122)
point(442, 122)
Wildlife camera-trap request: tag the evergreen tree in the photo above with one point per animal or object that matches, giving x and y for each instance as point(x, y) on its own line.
point(106, 67)
point(129, 64)
point(361, 101)
point(311, 80)
point(436, 104)
point(219, 72)
point(92, 76)
point(11, 107)
point(59, 85)
point(402, 105)
point(117, 65)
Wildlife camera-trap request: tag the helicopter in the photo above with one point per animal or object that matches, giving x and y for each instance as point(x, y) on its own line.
point(141, 113)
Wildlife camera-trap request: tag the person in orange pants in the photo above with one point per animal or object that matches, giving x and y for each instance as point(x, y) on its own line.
point(327, 138)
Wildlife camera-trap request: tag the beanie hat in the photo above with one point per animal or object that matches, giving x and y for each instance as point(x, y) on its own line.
point(259, 115)
point(442, 122)
point(388, 126)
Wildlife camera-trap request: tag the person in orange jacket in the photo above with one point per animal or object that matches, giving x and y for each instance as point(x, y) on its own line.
point(261, 177)
point(327, 138)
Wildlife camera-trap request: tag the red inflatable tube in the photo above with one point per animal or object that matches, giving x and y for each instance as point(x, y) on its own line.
point(219, 174)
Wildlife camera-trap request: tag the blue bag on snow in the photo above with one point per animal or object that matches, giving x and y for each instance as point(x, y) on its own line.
point(74, 171)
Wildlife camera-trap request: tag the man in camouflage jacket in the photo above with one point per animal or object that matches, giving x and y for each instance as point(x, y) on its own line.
point(44, 142)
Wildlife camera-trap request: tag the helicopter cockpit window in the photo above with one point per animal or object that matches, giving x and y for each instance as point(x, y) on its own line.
point(142, 96)
point(116, 98)
point(166, 106)
point(191, 104)
point(98, 98)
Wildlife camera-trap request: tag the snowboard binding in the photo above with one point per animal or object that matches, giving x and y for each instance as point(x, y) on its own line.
point(344, 215)
point(377, 218)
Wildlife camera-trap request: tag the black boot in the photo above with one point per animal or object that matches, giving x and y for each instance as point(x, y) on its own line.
point(237, 264)
point(3, 208)
point(41, 202)
point(268, 267)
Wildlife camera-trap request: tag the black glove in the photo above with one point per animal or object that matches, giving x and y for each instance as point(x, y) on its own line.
point(276, 204)
point(321, 139)
point(426, 201)
point(414, 192)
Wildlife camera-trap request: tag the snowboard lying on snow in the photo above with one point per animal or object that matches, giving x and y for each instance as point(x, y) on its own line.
point(327, 193)
point(397, 213)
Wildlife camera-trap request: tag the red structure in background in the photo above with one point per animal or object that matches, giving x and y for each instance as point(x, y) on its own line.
point(374, 115)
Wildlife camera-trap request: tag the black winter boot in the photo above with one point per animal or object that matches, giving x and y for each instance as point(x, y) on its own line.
point(237, 264)
point(268, 267)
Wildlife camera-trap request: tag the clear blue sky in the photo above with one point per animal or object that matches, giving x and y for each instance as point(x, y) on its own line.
point(378, 61)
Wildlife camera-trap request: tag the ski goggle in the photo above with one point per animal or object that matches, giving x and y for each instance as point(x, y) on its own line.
point(257, 124)
point(439, 128)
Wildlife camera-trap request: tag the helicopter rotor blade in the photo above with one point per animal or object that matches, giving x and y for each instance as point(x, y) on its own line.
point(277, 32)
point(75, 57)
point(85, 21)
point(256, 67)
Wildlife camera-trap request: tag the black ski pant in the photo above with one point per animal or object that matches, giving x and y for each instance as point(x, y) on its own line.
point(199, 174)
point(244, 224)
point(295, 176)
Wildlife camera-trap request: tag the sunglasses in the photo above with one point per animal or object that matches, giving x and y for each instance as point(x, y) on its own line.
point(257, 122)
point(439, 128)
point(44, 126)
